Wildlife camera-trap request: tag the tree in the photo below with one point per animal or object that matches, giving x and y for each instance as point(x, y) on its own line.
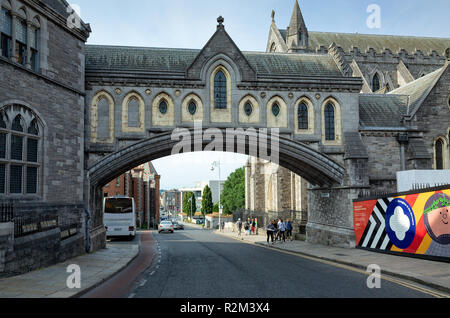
point(233, 194)
point(216, 208)
point(207, 203)
point(189, 205)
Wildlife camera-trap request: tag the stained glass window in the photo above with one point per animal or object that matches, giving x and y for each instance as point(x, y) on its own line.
point(17, 124)
point(16, 147)
point(33, 129)
point(220, 90)
point(192, 108)
point(2, 178)
point(276, 109)
point(2, 145)
point(248, 109)
point(376, 83)
point(330, 133)
point(163, 107)
point(32, 150)
point(302, 116)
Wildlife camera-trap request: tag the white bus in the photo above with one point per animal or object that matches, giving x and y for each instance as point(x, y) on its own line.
point(119, 214)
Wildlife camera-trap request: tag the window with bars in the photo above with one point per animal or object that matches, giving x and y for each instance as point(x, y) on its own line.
point(220, 90)
point(5, 33)
point(19, 152)
point(330, 129)
point(303, 116)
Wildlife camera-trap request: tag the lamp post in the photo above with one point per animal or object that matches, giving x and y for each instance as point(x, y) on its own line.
point(216, 164)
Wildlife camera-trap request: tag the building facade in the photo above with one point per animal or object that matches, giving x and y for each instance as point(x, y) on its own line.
point(351, 111)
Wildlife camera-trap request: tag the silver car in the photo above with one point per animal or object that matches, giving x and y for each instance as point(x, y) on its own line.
point(165, 226)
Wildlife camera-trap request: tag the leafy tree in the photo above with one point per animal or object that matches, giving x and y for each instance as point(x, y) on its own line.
point(207, 203)
point(189, 205)
point(233, 194)
point(216, 208)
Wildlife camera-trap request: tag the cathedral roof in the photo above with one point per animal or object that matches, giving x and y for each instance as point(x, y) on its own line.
point(378, 42)
point(376, 110)
point(419, 89)
point(166, 60)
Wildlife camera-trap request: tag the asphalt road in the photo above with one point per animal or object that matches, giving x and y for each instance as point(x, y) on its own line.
point(196, 263)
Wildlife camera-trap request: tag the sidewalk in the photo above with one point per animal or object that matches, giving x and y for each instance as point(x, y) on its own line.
point(50, 282)
point(429, 273)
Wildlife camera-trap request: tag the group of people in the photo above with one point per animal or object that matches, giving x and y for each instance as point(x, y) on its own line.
point(279, 231)
point(276, 230)
point(249, 226)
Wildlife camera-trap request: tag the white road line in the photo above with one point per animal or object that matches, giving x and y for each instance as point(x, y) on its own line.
point(143, 282)
point(132, 295)
point(151, 274)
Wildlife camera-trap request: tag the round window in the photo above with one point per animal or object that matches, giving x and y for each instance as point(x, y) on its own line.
point(248, 109)
point(276, 109)
point(192, 108)
point(163, 107)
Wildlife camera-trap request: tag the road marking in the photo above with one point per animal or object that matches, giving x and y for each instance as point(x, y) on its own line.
point(151, 274)
point(132, 295)
point(350, 268)
point(143, 282)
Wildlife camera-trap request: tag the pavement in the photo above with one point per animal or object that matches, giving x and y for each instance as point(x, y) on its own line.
point(433, 274)
point(51, 282)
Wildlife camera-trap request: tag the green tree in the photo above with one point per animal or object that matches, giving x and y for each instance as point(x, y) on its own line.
point(233, 194)
point(216, 208)
point(188, 204)
point(207, 203)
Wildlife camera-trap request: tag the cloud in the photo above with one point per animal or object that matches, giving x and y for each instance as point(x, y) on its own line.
point(400, 223)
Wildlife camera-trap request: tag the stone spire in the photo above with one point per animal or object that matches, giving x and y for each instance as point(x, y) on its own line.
point(297, 33)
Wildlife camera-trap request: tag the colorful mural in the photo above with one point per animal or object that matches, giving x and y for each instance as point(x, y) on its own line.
point(415, 223)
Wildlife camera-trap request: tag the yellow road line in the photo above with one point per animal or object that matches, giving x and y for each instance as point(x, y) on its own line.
point(424, 290)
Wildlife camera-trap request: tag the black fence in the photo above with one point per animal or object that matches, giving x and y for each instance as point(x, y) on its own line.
point(6, 212)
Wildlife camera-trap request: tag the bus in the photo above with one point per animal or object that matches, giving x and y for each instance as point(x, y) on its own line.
point(119, 214)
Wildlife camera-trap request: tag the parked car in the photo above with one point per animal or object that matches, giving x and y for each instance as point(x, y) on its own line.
point(165, 226)
point(178, 226)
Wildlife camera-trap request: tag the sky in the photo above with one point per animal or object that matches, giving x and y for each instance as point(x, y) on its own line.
point(190, 24)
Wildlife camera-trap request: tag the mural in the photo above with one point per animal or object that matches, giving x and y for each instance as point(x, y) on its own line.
point(416, 223)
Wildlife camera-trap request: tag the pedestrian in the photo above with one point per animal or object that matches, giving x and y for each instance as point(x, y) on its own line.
point(246, 227)
point(249, 226)
point(222, 225)
point(275, 226)
point(253, 226)
point(289, 230)
point(282, 228)
point(239, 226)
point(270, 231)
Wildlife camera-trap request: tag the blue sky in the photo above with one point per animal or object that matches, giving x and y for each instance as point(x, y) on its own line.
point(190, 24)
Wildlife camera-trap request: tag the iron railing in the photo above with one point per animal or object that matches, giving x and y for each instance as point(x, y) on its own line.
point(27, 225)
point(6, 212)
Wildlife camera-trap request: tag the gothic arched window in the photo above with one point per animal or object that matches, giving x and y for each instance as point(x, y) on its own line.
point(20, 161)
point(376, 83)
point(303, 116)
point(163, 107)
point(330, 129)
point(276, 109)
point(220, 90)
point(248, 109)
point(439, 153)
point(192, 108)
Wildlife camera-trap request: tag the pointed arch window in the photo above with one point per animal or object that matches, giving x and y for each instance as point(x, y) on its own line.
point(220, 90)
point(192, 108)
point(276, 109)
point(303, 116)
point(439, 154)
point(20, 143)
point(163, 107)
point(330, 129)
point(376, 83)
point(248, 109)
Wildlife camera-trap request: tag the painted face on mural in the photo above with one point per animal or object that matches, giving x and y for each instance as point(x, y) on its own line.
point(437, 218)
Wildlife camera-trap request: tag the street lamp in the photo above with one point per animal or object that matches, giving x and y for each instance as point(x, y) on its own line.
point(216, 164)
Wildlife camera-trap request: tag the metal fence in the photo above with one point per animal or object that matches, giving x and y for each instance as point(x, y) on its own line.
point(24, 226)
point(6, 212)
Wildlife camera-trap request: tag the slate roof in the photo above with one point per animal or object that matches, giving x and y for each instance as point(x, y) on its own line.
point(377, 110)
point(378, 42)
point(419, 89)
point(168, 60)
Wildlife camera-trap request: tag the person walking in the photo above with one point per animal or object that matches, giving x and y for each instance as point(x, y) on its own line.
point(253, 226)
point(270, 231)
point(246, 227)
point(249, 227)
point(239, 227)
point(275, 226)
point(289, 230)
point(282, 228)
